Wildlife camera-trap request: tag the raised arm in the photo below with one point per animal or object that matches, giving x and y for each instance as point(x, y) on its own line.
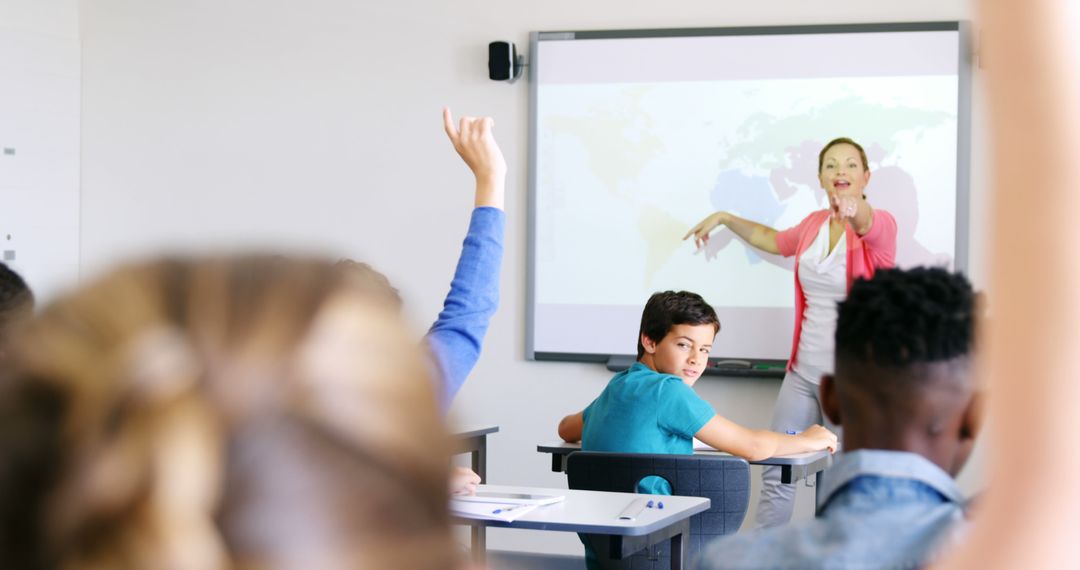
point(758, 235)
point(1029, 517)
point(456, 337)
point(757, 444)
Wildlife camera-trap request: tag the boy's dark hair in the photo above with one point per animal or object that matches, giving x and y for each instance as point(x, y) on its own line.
point(669, 308)
point(15, 297)
point(905, 317)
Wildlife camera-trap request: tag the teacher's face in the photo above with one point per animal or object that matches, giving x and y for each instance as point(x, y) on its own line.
point(842, 172)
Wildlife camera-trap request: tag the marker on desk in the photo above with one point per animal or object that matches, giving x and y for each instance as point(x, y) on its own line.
point(633, 509)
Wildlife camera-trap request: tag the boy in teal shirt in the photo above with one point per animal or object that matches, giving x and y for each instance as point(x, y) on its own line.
point(652, 406)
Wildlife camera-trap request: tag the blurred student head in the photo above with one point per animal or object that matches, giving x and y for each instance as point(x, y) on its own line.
point(251, 412)
point(904, 364)
point(16, 303)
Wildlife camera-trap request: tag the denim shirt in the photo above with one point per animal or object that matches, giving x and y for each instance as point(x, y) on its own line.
point(456, 337)
point(877, 509)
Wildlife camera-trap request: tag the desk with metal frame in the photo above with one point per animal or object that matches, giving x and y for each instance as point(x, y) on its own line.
point(473, 440)
point(793, 468)
point(596, 513)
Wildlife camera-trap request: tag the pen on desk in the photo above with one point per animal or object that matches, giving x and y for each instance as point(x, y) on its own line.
point(634, 509)
point(506, 509)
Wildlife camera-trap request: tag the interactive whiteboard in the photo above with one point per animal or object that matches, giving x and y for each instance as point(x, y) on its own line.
point(637, 135)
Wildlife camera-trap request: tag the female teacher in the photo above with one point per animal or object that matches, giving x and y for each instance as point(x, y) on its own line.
point(833, 247)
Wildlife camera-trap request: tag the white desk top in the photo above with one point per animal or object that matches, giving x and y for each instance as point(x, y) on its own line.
point(796, 459)
point(463, 432)
point(596, 512)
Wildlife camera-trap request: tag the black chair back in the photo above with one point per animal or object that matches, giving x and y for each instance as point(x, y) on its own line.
point(723, 479)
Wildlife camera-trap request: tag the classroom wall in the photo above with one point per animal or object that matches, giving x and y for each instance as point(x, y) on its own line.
point(39, 142)
point(316, 126)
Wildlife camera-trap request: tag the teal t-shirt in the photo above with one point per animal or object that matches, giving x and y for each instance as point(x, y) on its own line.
point(644, 411)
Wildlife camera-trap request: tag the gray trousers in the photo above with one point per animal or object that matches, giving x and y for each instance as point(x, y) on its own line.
point(797, 408)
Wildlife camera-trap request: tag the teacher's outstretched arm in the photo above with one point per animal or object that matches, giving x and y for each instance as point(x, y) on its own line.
point(758, 235)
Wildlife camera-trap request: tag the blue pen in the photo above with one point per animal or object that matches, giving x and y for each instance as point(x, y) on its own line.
point(649, 504)
point(506, 510)
point(793, 432)
point(660, 505)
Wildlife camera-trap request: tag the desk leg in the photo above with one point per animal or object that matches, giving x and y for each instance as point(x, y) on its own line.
point(611, 549)
point(479, 461)
point(817, 492)
point(680, 548)
point(479, 545)
point(479, 533)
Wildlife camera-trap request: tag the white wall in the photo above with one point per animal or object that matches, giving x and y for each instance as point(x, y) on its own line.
point(39, 142)
point(316, 125)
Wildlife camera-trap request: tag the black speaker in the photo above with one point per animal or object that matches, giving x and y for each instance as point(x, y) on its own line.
point(502, 57)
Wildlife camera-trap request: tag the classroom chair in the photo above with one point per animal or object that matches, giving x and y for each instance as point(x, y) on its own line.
point(725, 480)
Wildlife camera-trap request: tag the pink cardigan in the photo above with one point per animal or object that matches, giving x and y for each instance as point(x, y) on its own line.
point(875, 250)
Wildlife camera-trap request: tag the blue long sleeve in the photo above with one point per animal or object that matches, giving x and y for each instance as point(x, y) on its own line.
point(457, 335)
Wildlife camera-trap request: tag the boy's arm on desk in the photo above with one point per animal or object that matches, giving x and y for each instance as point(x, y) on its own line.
point(789, 459)
point(750, 444)
point(758, 444)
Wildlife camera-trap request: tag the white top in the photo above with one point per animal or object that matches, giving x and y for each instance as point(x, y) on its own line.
point(595, 512)
point(823, 276)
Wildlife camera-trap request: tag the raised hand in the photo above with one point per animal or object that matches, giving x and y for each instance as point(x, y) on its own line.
point(702, 229)
point(474, 142)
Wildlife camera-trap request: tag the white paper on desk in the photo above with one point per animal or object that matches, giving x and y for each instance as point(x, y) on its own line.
point(483, 495)
point(488, 511)
point(702, 446)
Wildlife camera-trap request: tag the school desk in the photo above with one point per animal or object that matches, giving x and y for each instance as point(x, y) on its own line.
point(597, 513)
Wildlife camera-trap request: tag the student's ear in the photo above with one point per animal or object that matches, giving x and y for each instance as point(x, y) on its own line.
point(648, 343)
point(830, 403)
point(971, 422)
point(866, 179)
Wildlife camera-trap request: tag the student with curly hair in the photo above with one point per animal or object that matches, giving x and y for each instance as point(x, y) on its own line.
point(904, 392)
